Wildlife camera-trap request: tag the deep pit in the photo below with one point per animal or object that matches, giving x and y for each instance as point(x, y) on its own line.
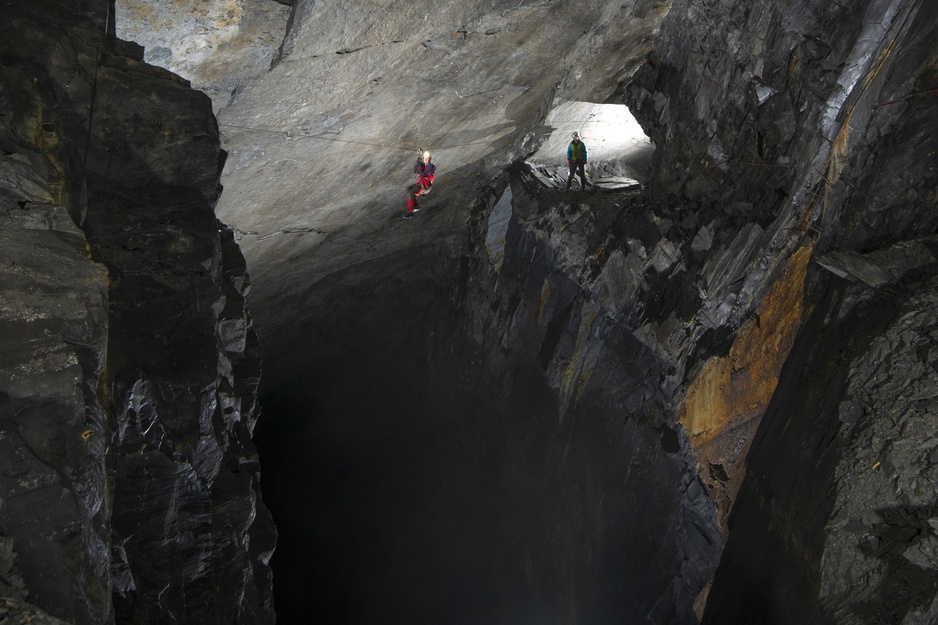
point(417, 473)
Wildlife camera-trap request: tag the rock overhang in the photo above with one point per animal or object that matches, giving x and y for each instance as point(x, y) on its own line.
point(321, 147)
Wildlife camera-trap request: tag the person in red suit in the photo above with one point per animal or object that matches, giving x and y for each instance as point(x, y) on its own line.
point(424, 172)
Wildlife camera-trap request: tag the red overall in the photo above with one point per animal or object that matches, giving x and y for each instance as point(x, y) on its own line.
point(425, 172)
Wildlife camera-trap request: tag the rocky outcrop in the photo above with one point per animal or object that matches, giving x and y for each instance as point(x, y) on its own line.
point(55, 512)
point(572, 306)
point(839, 493)
point(796, 121)
point(129, 367)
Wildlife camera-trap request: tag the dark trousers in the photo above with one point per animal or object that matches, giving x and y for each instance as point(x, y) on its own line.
point(412, 191)
point(577, 167)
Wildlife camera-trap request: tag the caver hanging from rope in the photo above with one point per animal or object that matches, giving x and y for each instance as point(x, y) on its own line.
point(576, 159)
point(424, 172)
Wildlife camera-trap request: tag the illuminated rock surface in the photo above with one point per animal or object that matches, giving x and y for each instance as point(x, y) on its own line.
point(128, 370)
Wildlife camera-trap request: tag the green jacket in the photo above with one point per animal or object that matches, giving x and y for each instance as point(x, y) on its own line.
point(576, 151)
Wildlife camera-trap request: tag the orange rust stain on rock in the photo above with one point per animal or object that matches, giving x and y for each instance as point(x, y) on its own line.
point(736, 388)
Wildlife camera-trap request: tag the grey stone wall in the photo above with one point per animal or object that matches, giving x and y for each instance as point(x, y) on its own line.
point(129, 488)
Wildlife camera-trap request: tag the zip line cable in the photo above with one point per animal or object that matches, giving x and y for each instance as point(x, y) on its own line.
point(352, 141)
point(377, 145)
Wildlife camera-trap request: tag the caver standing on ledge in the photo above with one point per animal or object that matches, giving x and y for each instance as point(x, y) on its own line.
point(576, 159)
point(424, 171)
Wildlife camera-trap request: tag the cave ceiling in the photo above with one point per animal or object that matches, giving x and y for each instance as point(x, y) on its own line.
point(320, 148)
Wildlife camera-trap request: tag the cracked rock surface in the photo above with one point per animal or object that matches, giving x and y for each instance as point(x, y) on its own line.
point(128, 363)
point(217, 46)
point(846, 508)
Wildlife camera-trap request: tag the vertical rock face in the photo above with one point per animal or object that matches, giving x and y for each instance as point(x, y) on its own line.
point(129, 362)
point(55, 510)
point(810, 123)
point(840, 489)
point(765, 277)
point(563, 321)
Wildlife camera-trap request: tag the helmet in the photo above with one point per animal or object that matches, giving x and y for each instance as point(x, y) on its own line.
point(576, 135)
point(426, 154)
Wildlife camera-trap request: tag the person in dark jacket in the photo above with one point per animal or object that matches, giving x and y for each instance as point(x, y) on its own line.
point(424, 172)
point(576, 159)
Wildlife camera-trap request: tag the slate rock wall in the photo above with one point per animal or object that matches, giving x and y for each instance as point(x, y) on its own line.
point(130, 364)
point(793, 160)
point(219, 46)
point(840, 488)
point(578, 314)
point(812, 122)
point(55, 508)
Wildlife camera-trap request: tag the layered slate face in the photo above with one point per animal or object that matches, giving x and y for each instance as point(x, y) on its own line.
point(128, 366)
